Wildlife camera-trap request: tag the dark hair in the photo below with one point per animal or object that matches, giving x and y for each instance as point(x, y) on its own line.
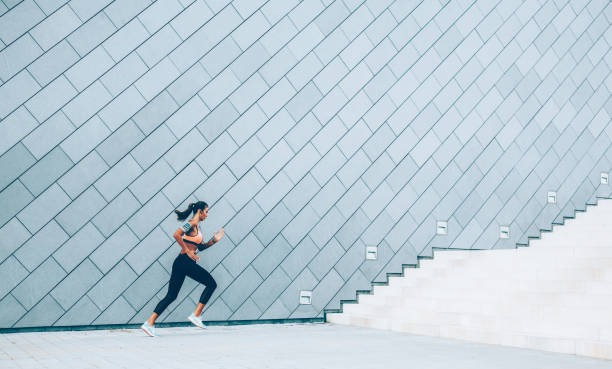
point(191, 208)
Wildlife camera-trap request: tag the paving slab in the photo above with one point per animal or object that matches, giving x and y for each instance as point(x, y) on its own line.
point(282, 346)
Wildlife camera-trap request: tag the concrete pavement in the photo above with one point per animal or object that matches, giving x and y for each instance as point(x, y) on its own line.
point(287, 346)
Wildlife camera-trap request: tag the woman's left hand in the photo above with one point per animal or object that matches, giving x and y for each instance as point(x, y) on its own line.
point(217, 236)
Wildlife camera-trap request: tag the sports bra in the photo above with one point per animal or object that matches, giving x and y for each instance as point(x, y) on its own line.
point(195, 240)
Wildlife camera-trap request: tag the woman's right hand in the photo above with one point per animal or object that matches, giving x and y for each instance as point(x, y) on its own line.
point(192, 255)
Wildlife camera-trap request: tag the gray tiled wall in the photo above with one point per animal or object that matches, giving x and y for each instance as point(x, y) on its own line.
point(314, 128)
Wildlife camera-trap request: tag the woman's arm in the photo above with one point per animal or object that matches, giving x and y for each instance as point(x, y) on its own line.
point(184, 249)
point(214, 239)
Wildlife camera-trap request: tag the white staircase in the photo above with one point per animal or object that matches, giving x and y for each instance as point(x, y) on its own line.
point(555, 295)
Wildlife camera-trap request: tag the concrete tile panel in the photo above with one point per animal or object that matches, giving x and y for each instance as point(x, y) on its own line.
point(11, 311)
point(55, 27)
point(241, 288)
point(146, 286)
point(276, 97)
point(71, 253)
point(113, 248)
point(329, 224)
point(18, 55)
point(216, 185)
point(115, 213)
point(219, 88)
point(119, 311)
point(271, 256)
point(14, 162)
point(243, 222)
point(47, 135)
point(81, 313)
point(270, 289)
point(17, 90)
point(192, 18)
point(301, 194)
point(19, 20)
point(148, 250)
point(184, 119)
point(184, 183)
point(43, 314)
point(302, 132)
point(128, 37)
point(89, 68)
point(111, 285)
point(85, 138)
point(49, 203)
point(303, 72)
point(301, 163)
point(247, 311)
point(153, 147)
point(189, 83)
point(271, 225)
point(118, 177)
point(329, 135)
point(38, 283)
point(242, 255)
point(353, 169)
point(12, 273)
point(123, 74)
point(351, 229)
point(250, 30)
point(328, 196)
point(75, 215)
point(156, 15)
point(324, 291)
point(71, 288)
point(15, 127)
point(42, 244)
point(158, 45)
point(157, 79)
point(247, 155)
point(121, 12)
point(12, 235)
point(245, 189)
point(223, 54)
point(351, 260)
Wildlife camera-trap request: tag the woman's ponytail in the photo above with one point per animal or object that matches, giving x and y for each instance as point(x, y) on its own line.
point(182, 215)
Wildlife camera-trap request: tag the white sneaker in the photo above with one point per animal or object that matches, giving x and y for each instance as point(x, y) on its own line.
point(148, 329)
point(196, 320)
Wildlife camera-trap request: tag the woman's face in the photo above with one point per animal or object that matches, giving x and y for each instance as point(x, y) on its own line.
point(203, 213)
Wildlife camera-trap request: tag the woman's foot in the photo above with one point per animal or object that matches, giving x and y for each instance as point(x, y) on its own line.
point(148, 329)
point(196, 320)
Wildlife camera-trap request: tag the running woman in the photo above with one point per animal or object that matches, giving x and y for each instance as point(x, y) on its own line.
point(189, 238)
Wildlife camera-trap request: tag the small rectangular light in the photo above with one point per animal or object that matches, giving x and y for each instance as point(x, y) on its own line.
point(604, 178)
point(371, 252)
point(552, 197)
point(305, 297)
point(442, 227)
point(504, 232)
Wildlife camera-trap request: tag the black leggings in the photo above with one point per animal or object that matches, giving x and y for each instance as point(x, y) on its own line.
point(184, 266)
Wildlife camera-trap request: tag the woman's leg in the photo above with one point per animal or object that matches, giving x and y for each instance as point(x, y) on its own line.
point(177, 277)
point(201, 275)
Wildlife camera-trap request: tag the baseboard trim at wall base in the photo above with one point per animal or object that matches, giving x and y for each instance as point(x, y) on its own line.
point(159, 325)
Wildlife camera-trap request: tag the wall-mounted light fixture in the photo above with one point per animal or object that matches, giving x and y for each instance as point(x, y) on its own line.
point(552, 197)
point(604, 178)
point(305, 297)
point(371, 252)
point(442, 227)
point(504, 232)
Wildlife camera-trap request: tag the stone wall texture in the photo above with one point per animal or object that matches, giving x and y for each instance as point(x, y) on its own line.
point(314, 128)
